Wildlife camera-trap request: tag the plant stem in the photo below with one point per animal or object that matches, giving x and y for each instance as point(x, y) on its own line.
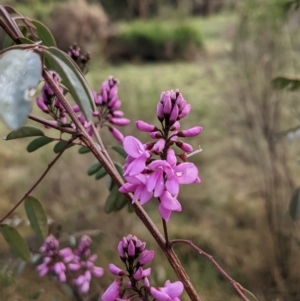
point(46, 122)
point(239, 289)
point(50, 165)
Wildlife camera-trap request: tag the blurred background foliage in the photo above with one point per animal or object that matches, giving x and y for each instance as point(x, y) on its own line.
point(223, 56)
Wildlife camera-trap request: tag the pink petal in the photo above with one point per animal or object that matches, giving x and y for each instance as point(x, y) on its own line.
point(169, 202)
point(186, 173)
point(174, 289)
point(164, 213)
point(133, 147)
point(172, 185)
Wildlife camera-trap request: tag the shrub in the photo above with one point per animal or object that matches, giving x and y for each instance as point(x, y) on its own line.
point(78, 22)
point(154, 41)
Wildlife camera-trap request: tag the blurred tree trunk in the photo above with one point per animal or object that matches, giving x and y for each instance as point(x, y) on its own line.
point(257, 111)
point(138, 8)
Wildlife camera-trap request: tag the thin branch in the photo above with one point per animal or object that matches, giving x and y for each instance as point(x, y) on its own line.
point(239, 289)
point(165, 232)
point(49, 124)
point(50, 165)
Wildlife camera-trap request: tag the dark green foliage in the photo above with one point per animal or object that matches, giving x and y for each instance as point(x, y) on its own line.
point(38, 143)
point(155, 41)
point(282, 83)
point(37, 216)
point(120, 150)
point(23, 132)
point(15, 241)
point(84, 150)
point(94, 168)
point(59, 146)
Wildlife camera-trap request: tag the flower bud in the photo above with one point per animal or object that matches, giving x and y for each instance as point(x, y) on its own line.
point(138, 274)
point(119, 121)
point(145, 127)
point(116, 133)
point(160, 111)
point(146, 257)
point(131, 249)
point(159, 146)
point(174, 115)
point(185, 111)
point(115, 270)
point(184, 146)
point(192, 132)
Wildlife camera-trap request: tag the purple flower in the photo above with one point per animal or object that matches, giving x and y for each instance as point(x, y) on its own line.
point(145, 127)
point(170, 292)
point(113, 291)
point(192, 132)
point(146, 257)
point(137, 152)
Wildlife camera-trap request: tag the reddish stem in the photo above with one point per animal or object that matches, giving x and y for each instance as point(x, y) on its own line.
point(239, 289)
point(50, 165)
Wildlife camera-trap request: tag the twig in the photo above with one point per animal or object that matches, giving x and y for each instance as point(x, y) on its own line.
point(239, 289)
point(165, 232)
point(49, 124)
point(50, 165)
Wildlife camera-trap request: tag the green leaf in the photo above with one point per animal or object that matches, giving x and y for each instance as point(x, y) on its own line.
point(100, 173)
point(294, 207)
point(130, 208)
point(38, 143)
point(26, 41)
point(110, 183)
point(8, 42)
point(120, 202)
point(25, 131)
point(110, 202)
point(73, 79)
point(120, 150)
point(44, 34)
point(83, 150)
point(15, 241)
point(281, 83)
point(94, 168)
point(37, 216)
point(119, 169)
point(59, 146)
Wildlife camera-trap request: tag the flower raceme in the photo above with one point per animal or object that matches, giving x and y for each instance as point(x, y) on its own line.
point(147, 176)
point(133, 281)
point(107, 111)
point(74, 266)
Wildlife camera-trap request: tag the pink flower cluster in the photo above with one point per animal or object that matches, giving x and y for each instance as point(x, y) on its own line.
point(107, 103)
point(161, 177)
point(134, 280)
point(75, 267)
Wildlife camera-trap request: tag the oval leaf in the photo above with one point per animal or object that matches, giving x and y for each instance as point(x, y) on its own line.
point(119, 169)
point(121, 202)
point(83, 150)
point(100, 173)
point(20, 74)
point(73, 79)
point(38, 143)
point(59, 146)
point(94, 168)
point(44, 34)
point(25, 131)
point(15, 241)
point(120, 150)
point(281, 83)
point(294, 207)
point(37, 216)
point(110, 202)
